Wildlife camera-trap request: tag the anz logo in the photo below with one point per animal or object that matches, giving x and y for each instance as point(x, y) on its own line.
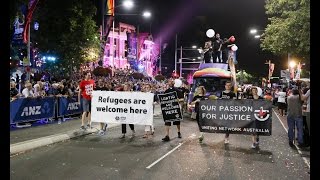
point(73, 106)
point(36, 110)
point(31, 110)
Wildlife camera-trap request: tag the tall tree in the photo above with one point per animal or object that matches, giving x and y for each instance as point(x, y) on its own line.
point(68, 31)
point(245, 78)
point(289, 27)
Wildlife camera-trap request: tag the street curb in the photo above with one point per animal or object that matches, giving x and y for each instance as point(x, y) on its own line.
point(44, 141)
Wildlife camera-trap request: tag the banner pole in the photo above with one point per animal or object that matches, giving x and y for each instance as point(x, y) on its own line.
point(28, 54)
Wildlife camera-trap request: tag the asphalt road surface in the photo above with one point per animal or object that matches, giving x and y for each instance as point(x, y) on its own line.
point(108, 157)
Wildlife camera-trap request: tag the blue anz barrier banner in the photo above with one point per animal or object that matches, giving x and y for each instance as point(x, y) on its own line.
point(69, 106)
point(27, 109)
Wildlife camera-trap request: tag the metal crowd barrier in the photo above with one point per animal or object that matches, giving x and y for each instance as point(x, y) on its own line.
point(31, 109)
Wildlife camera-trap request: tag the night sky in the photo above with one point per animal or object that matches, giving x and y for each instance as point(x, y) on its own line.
point(190, 19)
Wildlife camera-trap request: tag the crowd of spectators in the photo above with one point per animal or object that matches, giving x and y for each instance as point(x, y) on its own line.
point(51, 86)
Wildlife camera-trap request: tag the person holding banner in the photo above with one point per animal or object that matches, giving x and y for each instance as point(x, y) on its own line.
point(85, 90)
point(148, 128)
point(102, 87)
point(199, 95)
point(255, 137)
point(227, 94)
point(126, 87)
point(177, 123)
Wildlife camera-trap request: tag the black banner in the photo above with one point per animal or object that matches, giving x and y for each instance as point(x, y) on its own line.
point(170, 107)
point(245, 116)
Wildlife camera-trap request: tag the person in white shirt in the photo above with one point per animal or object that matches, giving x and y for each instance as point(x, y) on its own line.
point(306, 97)
point(282, 102)
point(27, 91)
point(148, 128)
point(37, 91)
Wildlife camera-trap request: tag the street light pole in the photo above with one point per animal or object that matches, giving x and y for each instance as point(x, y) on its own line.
point(160, 56)
point(175, 54)
point(28, 54)
point(112, 46)
point(180, 62)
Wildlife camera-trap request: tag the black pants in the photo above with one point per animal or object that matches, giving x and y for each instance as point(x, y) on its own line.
point(215, 55)
point(227, 134)
point(225, 56)
point(207, 56)
point(124, 128)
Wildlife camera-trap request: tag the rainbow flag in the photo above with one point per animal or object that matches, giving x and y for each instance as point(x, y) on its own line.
point(212, 72)
point(108, 17)
point(110, 7)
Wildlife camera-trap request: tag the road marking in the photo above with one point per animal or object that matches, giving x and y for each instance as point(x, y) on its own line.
point(304, 158)
point(180, 144)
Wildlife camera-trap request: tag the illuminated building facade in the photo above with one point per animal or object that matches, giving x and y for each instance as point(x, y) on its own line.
point(131, 50)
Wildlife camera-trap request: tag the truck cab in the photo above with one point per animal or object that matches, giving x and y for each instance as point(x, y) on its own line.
point(213, 77)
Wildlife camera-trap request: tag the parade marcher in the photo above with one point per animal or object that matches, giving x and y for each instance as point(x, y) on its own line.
point(127, 87)
point(200, 94)
point(103, 126)
point(86, 87)
point(255, 137)
point(180, 93)
point(227, 94)
point(168, 124)
point(282, 102)
point(306, 97)
point(294, 117)
point(148, 128)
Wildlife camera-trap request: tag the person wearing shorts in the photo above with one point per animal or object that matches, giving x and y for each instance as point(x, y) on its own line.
point(168, 124)
point(85, 90)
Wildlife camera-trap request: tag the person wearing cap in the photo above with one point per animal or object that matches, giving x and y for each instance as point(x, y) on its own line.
point(227, 94)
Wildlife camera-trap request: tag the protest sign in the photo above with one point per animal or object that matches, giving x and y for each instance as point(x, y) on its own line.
point(122, 107)
point(170, 107)
point(245, 116)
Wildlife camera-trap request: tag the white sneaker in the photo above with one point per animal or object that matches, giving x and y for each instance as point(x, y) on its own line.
point(101, 133)
point(122, 136)
point(253, 146)
point(133, 134)
point(226, 141)
point(201, 138)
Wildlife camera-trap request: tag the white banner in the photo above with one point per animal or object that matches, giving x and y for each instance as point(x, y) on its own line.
point(122, 107)
point(285, 74)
